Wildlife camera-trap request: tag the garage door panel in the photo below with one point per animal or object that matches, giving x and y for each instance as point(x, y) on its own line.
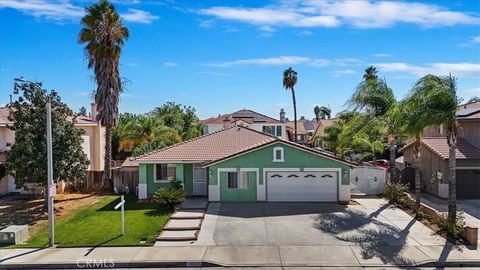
point(468, 184)
point(302, 186)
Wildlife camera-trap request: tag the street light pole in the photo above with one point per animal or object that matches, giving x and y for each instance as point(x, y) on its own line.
point(51, 186)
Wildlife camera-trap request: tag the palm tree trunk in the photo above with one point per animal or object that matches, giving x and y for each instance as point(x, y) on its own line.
point(392, 160)
point(107, 176)
point(452, 186)
point(294, 114)
point(417, 172)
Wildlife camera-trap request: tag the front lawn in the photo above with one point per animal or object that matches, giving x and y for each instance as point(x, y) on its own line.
point(99, 225)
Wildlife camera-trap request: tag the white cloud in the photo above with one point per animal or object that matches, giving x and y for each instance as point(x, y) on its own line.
point(476, 39)
point(320, 62)
point(348, 61)
point(267, 29)
point(57, 11)
point(268, 16)
point(275, 61)
point(359, 14)
point(305, 33)
point(381, 55)
point(288, 60)
point(139, 16)
point(170, 64)
point(338, 73)
point(456, 69)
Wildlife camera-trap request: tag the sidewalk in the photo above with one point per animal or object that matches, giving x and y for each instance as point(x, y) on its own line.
point(233, 256)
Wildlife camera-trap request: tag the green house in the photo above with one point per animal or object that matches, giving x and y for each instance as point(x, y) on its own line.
point(238, 164)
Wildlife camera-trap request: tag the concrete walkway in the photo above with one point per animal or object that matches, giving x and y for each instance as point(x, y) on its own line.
point(234, 256)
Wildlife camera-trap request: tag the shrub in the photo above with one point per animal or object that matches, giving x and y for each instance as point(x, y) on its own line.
point(455, 230)
point(395, 193)
point(172, 195)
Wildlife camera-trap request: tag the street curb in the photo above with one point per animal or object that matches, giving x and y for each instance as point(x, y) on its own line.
point(198, 264)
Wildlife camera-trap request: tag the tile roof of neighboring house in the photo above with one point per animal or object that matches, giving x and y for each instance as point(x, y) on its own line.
point(221, 145)
point(81, 120)
point(469, 113)
point(129, 162)
point(439, 146)
point(4, 116)
point(303, 126)
point(248, 116)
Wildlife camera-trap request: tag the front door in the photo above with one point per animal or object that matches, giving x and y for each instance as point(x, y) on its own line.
point(199, 181)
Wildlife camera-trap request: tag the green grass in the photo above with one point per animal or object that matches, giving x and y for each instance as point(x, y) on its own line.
point(99, 225)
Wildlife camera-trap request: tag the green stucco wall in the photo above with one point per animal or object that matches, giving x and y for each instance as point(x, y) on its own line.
point(238, 195)
point(263, 158)
point(184, 174)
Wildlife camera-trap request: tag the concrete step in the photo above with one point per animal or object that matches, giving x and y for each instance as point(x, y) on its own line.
point(194, 203)
point(188, 214)
point(178, 235)
point(183, 224)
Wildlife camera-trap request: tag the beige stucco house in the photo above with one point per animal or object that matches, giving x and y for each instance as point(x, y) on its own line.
point(93, 146)
point(434, 156)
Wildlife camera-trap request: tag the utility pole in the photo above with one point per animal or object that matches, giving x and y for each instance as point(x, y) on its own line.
point(51, 186)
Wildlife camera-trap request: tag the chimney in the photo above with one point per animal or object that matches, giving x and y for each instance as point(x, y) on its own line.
point(94, 112)
point(226, 121)
point(282, 115)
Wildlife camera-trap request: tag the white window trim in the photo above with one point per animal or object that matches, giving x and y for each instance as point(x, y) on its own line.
point(164, 181)
point(275, 149)
point(239, 173)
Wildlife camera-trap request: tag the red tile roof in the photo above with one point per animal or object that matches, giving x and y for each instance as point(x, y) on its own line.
point(220, 145)
point(439, 146)
point(210, 147)
point(248, 116)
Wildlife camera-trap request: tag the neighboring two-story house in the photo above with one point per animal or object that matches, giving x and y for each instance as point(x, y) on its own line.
point(434, 156)
point(305, 131)
point(93, 146)
point(250, 119)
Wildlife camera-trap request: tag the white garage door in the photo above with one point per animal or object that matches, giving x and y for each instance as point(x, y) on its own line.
point(302, 186)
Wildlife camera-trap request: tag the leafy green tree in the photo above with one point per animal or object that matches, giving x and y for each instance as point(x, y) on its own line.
point(474, 99)
point(323, 112)
point(316, 111)
point(82, 111)
point(27, 159)
point(166, 125)
point(289, 82)
point(104, 34)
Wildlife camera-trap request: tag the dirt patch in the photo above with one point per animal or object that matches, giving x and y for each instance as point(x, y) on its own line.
point(22, 210)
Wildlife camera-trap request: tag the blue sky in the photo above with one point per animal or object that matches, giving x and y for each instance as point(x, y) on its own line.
point(221, 56)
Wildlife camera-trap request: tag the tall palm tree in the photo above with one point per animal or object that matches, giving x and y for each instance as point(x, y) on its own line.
point(432, 102)
point(441, 103)
point(322, 112)
point(289, 81)
point(325, 112)
point(370, 73)
point(104, 34)
point(316, 111)
point(377, 99)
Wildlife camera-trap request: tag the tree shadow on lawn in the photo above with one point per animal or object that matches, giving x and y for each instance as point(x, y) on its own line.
point(376, 238)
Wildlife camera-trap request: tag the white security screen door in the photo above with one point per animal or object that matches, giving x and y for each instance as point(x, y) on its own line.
point(199, 180)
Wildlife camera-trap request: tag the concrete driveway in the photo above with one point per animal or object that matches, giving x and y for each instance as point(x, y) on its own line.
point(371, 223)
